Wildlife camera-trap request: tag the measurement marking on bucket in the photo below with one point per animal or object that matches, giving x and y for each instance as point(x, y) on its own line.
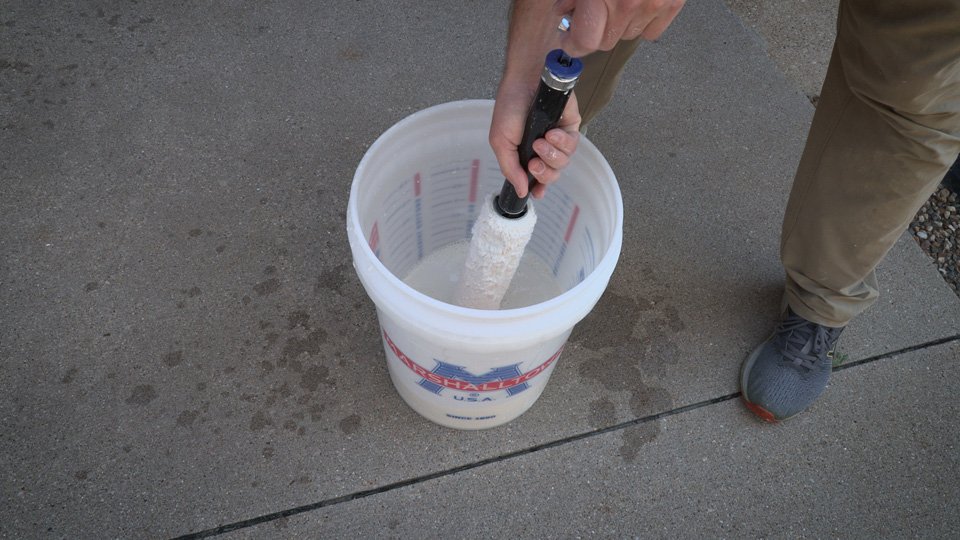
point(588, 255)
point(418, 210)
point(446, 375)
point(375, 239)
point(573, 221)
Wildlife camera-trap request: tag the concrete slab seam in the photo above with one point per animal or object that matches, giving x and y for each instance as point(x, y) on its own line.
point(266, 518)
point(898, 352)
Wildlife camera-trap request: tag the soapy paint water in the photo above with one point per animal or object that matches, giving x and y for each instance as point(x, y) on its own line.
point(437, 274)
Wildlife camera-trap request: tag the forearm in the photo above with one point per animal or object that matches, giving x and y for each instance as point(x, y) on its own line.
point(533, 33)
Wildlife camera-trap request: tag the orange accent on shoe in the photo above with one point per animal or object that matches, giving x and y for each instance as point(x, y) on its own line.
point(759, 411)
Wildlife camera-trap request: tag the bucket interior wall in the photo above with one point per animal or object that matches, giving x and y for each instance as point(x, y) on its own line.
point(424, 193)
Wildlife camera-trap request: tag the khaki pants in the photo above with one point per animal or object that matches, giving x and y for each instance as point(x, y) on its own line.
point(886, 130)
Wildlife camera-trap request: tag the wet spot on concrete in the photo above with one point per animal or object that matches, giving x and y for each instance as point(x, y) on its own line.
point(294, 347)
point(127, 449)
point(201, 386)
point(315, 412)
point(634, 437)
point(142, 395)
point(603, 413)
point(617, 371)
point(69, 376)
point(673, 320)
point(610, 323)
point(269, 286)
point(195, 233)
point(331, 278)
point(245, 300)
point(657, 355)
point(270, 270)
point(268, 452)
point(221, 248)
point(48, 124)
point(173, 359)
point(259, 421)
point(312, 377)
point(266, 366)
point(139, 23)
point(81, 475)
point(192, 292)
point(271, 338)
point(15, 65)
point(186, 418)
point(92, 286)
point(350, 424)
point(298, 318)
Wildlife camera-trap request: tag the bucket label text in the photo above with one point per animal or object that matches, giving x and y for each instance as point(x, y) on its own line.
point(446, 375)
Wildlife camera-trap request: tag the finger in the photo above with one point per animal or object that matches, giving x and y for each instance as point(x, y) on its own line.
point(587, 29)
point(564, 7)
point(538, 191)
point(551, 156)
point(508, 158)
point(544, 174)
point(513, 172)
point(563, 140)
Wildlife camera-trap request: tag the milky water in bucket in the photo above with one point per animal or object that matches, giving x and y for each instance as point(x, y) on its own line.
point(438, 273)
point(418, 190)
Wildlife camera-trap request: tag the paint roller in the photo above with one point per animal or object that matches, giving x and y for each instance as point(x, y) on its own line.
point(506, 221)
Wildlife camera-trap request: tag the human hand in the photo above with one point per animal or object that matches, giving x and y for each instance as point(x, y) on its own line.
point(553, 151)
point(600, 24)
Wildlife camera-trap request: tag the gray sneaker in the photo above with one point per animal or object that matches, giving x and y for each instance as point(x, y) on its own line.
point(789, 371)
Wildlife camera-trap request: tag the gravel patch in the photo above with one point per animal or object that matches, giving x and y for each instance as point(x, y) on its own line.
point(936, 228)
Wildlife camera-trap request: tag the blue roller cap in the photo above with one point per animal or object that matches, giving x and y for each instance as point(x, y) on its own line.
point(565, 72)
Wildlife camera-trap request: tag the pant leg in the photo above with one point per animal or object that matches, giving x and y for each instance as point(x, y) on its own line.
point(601, 73)
point(886, 129)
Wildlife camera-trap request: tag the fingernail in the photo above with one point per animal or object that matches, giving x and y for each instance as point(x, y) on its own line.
point(538, 168)
point(553, 137)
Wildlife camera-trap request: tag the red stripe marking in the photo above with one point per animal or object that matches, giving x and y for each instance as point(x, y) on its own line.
point(474, 180)
point(374, 237)
point(416, 185)
point(457, 384)
point(573, 221)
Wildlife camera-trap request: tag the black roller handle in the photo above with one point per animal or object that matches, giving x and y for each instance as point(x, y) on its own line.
point(559, 76)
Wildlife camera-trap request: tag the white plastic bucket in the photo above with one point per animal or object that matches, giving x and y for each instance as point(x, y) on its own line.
point(417, 189)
